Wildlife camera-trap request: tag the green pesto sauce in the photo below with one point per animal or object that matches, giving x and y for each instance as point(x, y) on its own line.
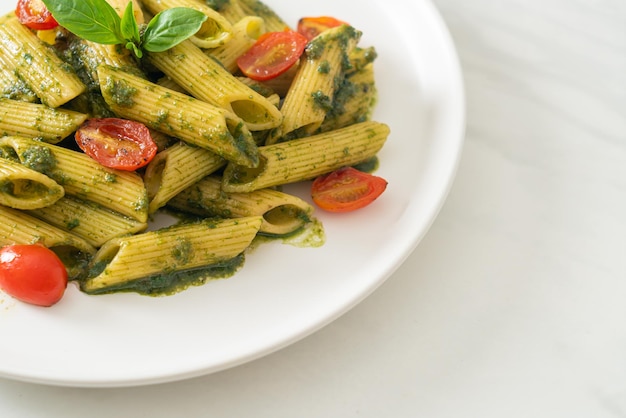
point(244, 144)
point(311, 235)
point(18, 90)
point(323, 67)
point(39, 158)
point(322, 101)
point(9, 154)
point(368, 166)
point(72, 223)
point(120, 92)
point(169, 283)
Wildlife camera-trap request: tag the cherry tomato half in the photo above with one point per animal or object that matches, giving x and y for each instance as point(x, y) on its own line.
point(32, 274)
point(35, 15)
point(117, 143)
point(346, 189)
point(310, 27)
point(272, 54)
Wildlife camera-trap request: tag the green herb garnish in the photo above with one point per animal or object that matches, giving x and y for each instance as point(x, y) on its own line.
point(97, 21)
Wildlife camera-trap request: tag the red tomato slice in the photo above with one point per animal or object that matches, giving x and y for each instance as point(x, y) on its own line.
point(310, 27)
point(33, 274)
point(272, 54)
point(35, 15)
point(346, 189)
point(117, 143)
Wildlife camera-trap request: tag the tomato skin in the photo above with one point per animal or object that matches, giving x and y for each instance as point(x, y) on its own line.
point(310, 27)
point(272, 54)
point(35, 15)
point(33, 274)
point(346, 189)
point(117, 143)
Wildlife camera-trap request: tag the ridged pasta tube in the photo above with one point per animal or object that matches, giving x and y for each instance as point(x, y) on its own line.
point(38, 120)
point(52, 80)
point(244, 34)
point(310, 96)
point(205, 79)
point(176, 168)
point(17, 227)
point(306, 158)
point(283, 214)
point(83, 177)
point(273, 21)
point(178, 115)
point(92, 222)
point(23, 188)
point(177, 248)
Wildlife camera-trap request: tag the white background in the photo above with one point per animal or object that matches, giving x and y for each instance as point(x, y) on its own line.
point(514, 304)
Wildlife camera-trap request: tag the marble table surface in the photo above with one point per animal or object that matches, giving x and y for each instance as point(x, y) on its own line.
point(514, 304)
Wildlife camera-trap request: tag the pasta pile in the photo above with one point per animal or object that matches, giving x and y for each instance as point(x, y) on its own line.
point(226, 143)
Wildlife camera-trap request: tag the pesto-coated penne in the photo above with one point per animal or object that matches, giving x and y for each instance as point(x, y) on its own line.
point(175, 169)
point(205, 79)
point(310, 97)
point(216, 29)
point(245, 32)
point(178, 115)
point(17, 227)
point(83, 177)
point(230, 9)
point(87, 220)
point(38, 120)
point(13, 87)
point(354, 100)
point(283, 214)
point(87, 56)
point(52, 80)
point(181, 247)
point(24, 188)
point(273, 22)
point(306, 158)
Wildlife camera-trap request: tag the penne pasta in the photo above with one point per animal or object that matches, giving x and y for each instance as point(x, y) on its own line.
point(175, 169)
point(354, 100)
point(207, 80)
point(178, 115)
point(311, 95)
point(43, 71)
point(18, 227)
point(230, 9)
point(24, 188)
point(283, 214)
point(38, 121)
point(273, 22)
point(182, 247)
point(87, 220)
point(245, 32)
point(83, 177)
point(306, 158)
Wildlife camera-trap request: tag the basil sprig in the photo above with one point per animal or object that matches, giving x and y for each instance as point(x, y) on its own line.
point(97, 21)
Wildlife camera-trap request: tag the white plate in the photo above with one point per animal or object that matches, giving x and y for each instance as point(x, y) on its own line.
point(283, 292)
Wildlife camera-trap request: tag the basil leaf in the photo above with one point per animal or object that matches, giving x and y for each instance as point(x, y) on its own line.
point(93, 20)
point(170, 27)
point(128, 26)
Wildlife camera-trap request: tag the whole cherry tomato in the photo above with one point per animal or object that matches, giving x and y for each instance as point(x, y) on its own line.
point(32, 274)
